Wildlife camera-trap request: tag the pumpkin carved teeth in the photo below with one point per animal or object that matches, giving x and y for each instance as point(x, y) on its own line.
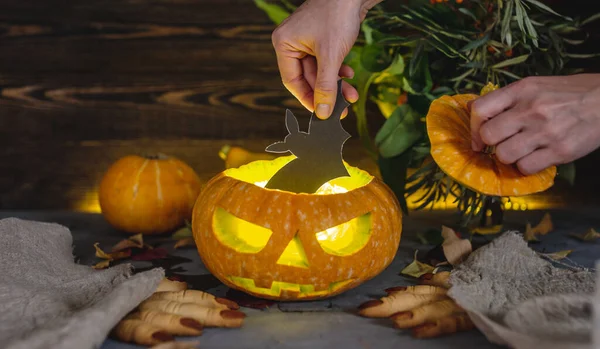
point(279, 288)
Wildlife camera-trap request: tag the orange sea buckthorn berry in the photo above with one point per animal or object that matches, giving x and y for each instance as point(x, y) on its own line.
point(403, 98)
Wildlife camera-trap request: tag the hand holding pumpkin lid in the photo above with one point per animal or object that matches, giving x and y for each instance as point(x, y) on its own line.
point(448, 128)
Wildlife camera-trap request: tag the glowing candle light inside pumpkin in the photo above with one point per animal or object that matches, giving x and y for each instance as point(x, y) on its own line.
point(333, 239)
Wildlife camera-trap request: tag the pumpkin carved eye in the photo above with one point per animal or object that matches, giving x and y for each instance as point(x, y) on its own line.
point(342, 240)
point(347, 238)
point(238, 234)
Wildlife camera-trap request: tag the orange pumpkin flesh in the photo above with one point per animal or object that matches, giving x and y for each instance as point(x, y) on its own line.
point(448, 128)
point(285, 246)
point(148, 195)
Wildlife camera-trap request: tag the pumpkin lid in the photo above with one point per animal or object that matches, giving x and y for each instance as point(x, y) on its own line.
point(449, 131)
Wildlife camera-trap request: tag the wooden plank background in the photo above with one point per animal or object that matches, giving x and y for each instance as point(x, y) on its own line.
point(83, 83)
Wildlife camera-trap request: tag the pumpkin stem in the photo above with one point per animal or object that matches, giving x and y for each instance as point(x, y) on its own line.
point(158, 156)
point(489, 149)
point(224, 151)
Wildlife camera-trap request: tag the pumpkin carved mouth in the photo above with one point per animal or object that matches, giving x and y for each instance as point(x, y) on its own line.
point(279, 287)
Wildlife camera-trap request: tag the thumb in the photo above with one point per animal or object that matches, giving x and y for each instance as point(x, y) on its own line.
point(325, 91)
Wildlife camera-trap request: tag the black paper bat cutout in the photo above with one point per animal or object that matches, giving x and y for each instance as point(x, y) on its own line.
point(318, 152)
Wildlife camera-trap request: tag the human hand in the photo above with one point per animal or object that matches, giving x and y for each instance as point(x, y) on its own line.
point(173, 310)
point(311, 45)
point(539, 122)
point(425, 308)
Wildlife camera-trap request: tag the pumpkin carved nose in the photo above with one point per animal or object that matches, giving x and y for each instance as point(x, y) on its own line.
point(294, 255)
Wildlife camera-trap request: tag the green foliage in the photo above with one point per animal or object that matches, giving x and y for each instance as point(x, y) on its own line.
point(567, 172)
point(401, 130)
point(426, 50)
point(481, 41)
point(275, 12)
point(393, 172)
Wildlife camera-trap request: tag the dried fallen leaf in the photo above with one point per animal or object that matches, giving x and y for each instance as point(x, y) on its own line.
point(113, 256)
point(185, 242)
point(100, 253)
point(558, 255)
point(440, 264)
point(487, 230)
point(182, 233)
point(416, 268)
point(102, 265)
point(136, 241)
point(545, 225)
point(176, 345)
point(148, 255)
point(590, 235)
point(448, 234)
point(542, 228)
point(529, 233)
point(455, 249)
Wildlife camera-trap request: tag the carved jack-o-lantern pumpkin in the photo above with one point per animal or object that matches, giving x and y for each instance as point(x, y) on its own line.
point(282, 245)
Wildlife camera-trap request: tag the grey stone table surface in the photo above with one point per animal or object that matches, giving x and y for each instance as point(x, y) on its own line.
point(330, 323)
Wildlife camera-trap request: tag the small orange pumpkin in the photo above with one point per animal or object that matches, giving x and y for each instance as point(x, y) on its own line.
point(449, 131)
point(148, 195)
point(286, 246)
